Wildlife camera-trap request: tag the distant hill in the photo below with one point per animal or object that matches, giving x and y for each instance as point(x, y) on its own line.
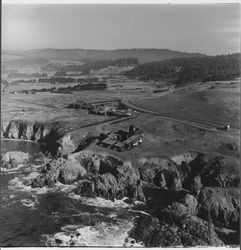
point(143, 55)
point(183, 70)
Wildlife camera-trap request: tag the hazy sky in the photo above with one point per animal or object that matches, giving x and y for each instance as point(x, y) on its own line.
point(209, 29)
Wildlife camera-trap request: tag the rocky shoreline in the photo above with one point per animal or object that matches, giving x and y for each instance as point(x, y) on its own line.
point(189, 200)
point(195, 203)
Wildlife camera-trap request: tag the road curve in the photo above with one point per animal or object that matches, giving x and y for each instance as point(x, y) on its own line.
point(206, 125)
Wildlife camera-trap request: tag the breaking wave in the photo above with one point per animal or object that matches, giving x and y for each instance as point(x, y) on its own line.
point(102, 235)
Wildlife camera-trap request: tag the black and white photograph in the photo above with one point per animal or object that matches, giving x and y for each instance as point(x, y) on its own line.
point(120, 124)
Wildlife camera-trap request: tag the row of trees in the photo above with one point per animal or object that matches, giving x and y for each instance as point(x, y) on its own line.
point(208, 68)
point(68, 89)
point(86, 67)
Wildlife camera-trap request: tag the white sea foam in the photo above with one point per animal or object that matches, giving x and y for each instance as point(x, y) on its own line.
point(101, 235)
point(17, 184)
point(100, 202)
point(12, 170)
point(31, 175)
point(28, 203)
point(20, 168)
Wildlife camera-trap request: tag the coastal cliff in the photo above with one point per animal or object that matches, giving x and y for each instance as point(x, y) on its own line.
point(57, 141)
point(17, 129)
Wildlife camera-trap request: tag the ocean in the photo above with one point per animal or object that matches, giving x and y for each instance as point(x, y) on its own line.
point(56, 217)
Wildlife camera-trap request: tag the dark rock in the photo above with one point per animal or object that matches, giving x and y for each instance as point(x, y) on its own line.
point(85, 188)
point(147, 172)
point(163, 174)
point(106, 186)
point(112, 179)
point(187, 231)
point(195, 184)
point(190, 202)
point(160, 198)
point(229, 237)
point(199, 232)
point(109, 165)
point(220, 206)
point(58, 241)
point(166, 236)
point(43, 181)
point(169, 179)
point(219, 172)
point(145, 226)
point(49, 175)
point(172, 213)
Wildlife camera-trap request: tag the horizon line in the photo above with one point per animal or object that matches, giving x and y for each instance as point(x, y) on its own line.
point(146, 48)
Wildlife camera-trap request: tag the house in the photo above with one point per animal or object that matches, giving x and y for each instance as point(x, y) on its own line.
point(122, 140)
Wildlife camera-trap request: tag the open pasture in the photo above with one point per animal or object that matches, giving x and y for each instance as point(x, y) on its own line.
point(220, 105)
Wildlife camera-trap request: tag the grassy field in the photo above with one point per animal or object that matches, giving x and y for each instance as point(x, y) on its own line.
point(44, 107)
point(219, 104)
point(162, 137)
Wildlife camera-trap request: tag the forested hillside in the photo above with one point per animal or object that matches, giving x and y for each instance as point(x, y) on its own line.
point(209, 68)
point(91, 65)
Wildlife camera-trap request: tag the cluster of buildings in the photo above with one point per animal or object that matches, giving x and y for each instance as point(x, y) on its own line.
point(122, 140)
point(107, 108)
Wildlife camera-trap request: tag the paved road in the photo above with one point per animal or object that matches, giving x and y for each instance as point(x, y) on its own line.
point(202, 124)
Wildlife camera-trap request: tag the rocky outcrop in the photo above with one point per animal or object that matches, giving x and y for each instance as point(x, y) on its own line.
point(63, 170)
point(11, 160)
point(162, 173)
point(228, 236)
point(85, 188)
point(220, 206)
point(112, 179)
point(194, 199)
point(186, 231)
point(48, 177)
point(190, 202)
point(216, 172)
point(74, 141)
point(183, 210)
point(98, 175)
point(190, 171)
